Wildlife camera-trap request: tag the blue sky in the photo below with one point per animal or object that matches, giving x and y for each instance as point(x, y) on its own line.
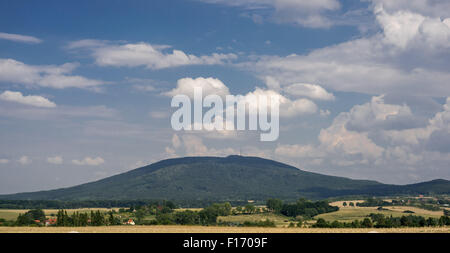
point(83, 85)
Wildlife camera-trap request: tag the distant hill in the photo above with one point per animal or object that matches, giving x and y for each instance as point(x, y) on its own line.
point(226, 178)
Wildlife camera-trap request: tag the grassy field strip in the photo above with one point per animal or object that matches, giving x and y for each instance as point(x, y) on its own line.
point(213, 229)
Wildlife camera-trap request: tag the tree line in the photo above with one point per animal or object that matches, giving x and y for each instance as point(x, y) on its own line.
point(302, 207)
point(37, 217)
point(75, 204)
point(382, 221)
point(428, 204)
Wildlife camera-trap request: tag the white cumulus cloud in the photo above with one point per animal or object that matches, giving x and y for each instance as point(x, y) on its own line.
point(312, 91)
point(33, 100)
point(209, 86)
point(145, 54)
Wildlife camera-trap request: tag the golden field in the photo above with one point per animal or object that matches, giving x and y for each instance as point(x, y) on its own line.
point(213, 229)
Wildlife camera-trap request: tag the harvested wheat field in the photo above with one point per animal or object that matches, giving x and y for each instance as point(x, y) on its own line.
point(203, 229)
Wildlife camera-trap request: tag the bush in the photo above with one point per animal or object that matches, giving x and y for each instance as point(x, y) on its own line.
point(367, 223)
point(321, 223)
point(266, 223)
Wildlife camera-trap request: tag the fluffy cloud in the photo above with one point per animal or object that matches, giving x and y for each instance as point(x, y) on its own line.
point(288, 107)
point(308, 90)
point(4, 161)
point(17, 97)
point(19, 38)
point(433, 136)
point(405, 28)
point(44, 75)
point(379, 115)
point(89, 161)
point(209, 86)
point(300, 12)
point(436, 8)
point(24, 160)
point(374, 128)
point(337, 138)
point(55, 160)
point(144, 54)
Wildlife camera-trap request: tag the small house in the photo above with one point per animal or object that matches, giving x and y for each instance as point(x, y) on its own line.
point(50, 222)
point(130, 222)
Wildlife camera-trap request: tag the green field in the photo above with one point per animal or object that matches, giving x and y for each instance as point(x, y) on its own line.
point(346, 214)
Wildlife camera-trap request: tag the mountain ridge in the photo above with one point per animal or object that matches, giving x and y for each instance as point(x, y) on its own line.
point(226, 178)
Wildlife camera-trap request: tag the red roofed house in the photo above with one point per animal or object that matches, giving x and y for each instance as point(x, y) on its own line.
point(130, 222)
point(51, 221)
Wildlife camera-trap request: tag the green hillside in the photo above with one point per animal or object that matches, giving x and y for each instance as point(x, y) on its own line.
point(225, 178)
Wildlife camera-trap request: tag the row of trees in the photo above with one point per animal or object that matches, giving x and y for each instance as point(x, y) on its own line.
point(428, 204)
point(372, 202)
point(381, 221)
point(77, 219)
point(302, 207)
point(321, 223)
